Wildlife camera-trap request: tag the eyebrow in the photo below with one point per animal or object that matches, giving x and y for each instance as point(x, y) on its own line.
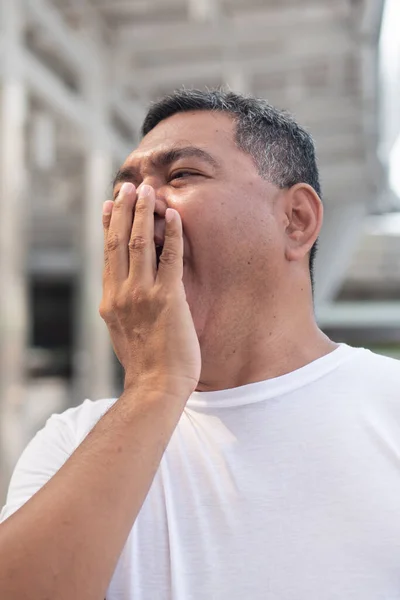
point(164, 159)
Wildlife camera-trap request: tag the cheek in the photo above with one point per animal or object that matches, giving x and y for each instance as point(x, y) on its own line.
point(226, 226)
point(244, 248)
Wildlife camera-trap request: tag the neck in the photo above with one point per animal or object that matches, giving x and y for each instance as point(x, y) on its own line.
point(260, 345)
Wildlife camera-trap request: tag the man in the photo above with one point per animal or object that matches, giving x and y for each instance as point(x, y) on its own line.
point(249, 456)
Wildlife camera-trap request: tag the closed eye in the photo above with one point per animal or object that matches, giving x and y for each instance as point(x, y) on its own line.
point(182, 174)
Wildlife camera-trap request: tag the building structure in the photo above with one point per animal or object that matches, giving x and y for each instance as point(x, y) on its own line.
point(76, 77)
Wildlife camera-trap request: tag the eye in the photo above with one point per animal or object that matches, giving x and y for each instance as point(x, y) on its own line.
point(182, 175)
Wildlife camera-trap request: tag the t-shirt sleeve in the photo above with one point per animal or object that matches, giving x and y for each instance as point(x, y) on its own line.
point(42, 458)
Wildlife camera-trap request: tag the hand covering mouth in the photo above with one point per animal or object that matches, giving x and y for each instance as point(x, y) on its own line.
point(159, 239)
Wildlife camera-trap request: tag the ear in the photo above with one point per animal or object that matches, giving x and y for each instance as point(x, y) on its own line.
point(304, 212)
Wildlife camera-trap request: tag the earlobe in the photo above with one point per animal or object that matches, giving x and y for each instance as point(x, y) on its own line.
point(305, 214)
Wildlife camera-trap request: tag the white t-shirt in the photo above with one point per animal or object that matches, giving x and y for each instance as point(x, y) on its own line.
point(285, 489)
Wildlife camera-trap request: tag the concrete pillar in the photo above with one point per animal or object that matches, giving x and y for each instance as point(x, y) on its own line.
point(13, 241)
point(94, 359)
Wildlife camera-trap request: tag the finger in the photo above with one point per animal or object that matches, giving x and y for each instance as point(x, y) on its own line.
point(107, 210)
point(118, 233)
point(142, 252)
point(170, 269)
point(105, 302)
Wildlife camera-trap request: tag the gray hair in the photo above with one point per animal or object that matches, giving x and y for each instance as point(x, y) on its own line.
point(282, 150)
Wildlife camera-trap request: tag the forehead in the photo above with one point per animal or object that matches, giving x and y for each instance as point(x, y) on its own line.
point(213, 131)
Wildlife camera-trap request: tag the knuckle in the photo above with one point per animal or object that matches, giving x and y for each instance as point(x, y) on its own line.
point(113, 241)
point(169, 256)
point(137, 243)
point(119, 202)
point(173, 234)
point(119, 303)
point(141, 206)
point(122, 304)
point(139, 295)
point(105, 311)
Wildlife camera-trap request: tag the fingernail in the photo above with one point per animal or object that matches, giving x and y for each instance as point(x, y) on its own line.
point(107, 207)
point(126, 188)
point(145, 190)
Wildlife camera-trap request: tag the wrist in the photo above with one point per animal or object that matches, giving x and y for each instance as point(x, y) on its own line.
point(154, 389)
point(161, 405)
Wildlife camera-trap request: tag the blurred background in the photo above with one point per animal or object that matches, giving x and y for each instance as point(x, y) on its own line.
point(76, 77)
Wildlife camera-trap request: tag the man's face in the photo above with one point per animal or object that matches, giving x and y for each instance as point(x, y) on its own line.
point(232, 238)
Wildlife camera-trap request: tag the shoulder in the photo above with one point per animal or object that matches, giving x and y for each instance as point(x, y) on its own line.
point(368, 380)
point(378, 395)
point(374, 380)
point(49, 449)
point(378, 367)
point(372, 367)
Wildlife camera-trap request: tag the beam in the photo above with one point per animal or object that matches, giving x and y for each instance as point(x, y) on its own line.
point(339, 175)
point(58, 97)
point(130, 112)
point(267, 26)
point(204, 11)
point(326, 106)
point(120, 149)
point(329, 46)
point(51, 90)
point(94, 366)
point(370, 84)
point(80, 57)
point(72, 47)
point(94, 370)
point(362, 315)
point(45, 84)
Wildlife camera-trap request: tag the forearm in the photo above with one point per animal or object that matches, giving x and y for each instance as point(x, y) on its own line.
point(65, 541)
